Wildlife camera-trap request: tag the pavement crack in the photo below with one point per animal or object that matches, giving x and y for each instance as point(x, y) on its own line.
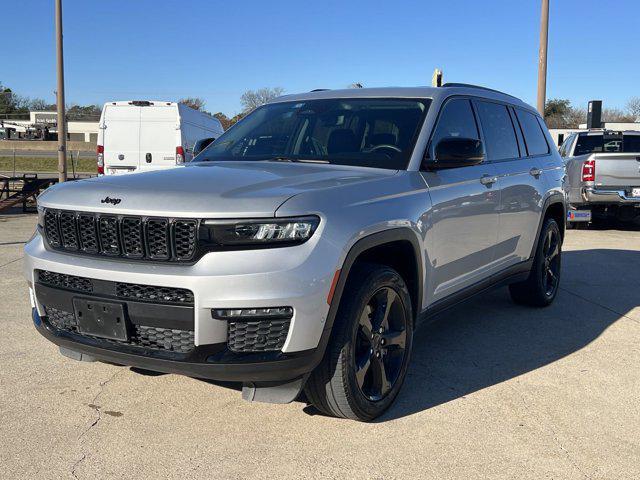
point(554, 435)
point(93, 405)
point(75, 465)
point(9, 263)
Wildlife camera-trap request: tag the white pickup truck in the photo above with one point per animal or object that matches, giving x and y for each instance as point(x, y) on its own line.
point(603, 175)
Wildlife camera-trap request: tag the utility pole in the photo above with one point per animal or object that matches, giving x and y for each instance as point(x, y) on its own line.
point(62, 123)
point(542, 60)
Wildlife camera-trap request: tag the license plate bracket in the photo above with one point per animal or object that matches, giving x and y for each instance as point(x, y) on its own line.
point(101, 319)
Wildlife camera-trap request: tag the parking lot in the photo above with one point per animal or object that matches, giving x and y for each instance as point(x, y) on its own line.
point(494, 390)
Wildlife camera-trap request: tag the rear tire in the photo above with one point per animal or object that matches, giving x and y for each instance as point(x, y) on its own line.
point(368, 354)
point(541, 288)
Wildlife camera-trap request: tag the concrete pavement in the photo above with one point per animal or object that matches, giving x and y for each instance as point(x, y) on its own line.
point(495, 391)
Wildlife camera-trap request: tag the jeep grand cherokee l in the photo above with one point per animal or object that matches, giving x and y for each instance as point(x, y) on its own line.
point(302, 248)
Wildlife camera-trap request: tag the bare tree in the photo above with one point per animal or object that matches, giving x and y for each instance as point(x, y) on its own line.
point(252, 99)
point(616, 115)
point(196, 103)
point(633, 107)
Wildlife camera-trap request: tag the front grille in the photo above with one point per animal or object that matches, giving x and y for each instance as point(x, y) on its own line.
point(258, 336)
point(154, 338)
point(127, 291)
point(144, 238)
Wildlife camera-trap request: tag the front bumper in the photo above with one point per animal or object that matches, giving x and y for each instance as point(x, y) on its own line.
point(299, 277)
point(212, 361)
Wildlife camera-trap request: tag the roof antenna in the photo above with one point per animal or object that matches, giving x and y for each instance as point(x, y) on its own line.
point(436, 79)
point(355, 85)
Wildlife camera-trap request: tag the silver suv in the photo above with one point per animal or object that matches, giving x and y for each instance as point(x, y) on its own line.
point(302, 248)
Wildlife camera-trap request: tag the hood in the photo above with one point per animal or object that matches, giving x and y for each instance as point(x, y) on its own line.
point(207, 189)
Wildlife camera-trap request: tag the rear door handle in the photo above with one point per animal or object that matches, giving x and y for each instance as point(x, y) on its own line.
point(488, 180)
point(535, 172)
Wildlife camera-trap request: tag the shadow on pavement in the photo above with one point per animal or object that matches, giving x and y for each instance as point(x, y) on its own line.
point(490, 340)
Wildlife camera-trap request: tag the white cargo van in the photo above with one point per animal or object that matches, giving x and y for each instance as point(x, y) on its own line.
point(137, 136)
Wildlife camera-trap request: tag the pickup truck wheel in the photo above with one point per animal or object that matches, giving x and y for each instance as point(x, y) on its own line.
point(541, 288)
point(368, 354)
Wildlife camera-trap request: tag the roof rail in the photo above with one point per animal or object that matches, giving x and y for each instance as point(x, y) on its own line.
point(320, 89)
point(469, 85)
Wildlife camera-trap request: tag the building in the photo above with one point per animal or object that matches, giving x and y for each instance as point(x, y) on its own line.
point(79, 131)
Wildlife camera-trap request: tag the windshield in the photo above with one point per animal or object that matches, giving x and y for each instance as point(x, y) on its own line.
point(371, 132)
point(610, 143)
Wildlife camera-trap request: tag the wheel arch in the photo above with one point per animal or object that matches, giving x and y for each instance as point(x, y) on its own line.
point(398, 248)
point(554, 207)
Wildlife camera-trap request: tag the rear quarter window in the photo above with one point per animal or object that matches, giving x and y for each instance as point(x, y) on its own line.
point(533, 134)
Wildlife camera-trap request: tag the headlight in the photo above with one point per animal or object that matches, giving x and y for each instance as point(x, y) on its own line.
point(258, 232)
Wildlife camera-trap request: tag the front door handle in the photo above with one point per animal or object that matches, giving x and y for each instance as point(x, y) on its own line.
point(488, 180)
point(535, 172)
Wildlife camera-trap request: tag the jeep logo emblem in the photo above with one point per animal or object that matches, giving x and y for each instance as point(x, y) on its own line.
point(112, 201)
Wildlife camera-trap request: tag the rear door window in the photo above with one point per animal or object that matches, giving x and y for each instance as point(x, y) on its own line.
point(499, 134)
point(533, 134)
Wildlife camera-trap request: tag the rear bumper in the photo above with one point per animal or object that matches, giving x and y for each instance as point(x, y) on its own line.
point(608, 196)
point(213, 362)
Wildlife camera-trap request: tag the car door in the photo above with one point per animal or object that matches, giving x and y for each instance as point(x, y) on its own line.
point(520, 180)
point(464, 216)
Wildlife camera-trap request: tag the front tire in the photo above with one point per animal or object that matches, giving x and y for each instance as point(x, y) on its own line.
point(541, 288)
point(367, 358)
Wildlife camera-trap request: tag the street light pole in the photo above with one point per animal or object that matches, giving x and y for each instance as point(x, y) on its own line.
point(542, 60)
point(62, 124)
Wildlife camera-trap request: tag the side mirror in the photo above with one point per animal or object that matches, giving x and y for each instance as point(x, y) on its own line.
point(453, 152)
point(201, 145)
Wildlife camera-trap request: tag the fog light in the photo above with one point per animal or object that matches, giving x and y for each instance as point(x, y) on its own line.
point(252, 313)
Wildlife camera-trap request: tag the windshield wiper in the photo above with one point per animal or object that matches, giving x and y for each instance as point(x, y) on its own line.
point(295, 160)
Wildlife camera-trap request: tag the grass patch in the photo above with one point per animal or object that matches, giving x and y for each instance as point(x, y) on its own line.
point(46, 164)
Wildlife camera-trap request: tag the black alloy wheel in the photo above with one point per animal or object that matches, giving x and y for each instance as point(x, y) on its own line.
point(379, 346)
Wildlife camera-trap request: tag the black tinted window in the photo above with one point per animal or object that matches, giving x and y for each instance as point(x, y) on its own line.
point(533, 136)
point(499, 135)
point(456, 120)
point(631, 143)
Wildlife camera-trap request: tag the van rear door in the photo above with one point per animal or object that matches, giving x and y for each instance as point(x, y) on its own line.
point(121, 138)
point(159, 133)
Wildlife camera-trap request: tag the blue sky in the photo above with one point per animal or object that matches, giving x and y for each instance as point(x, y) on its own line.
point(143, 49)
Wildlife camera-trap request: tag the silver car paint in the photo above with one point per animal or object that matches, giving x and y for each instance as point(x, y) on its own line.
point(457, 221)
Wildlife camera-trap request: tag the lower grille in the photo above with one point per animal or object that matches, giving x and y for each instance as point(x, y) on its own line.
point(168, 339)
point(258, 336)
point(69, 282)
point(129, 291)
point(149, 293)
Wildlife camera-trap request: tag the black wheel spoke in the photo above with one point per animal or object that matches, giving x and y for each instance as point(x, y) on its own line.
point(380, 379)
point(362, 370)
point(366, 326)
point(395, 339)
